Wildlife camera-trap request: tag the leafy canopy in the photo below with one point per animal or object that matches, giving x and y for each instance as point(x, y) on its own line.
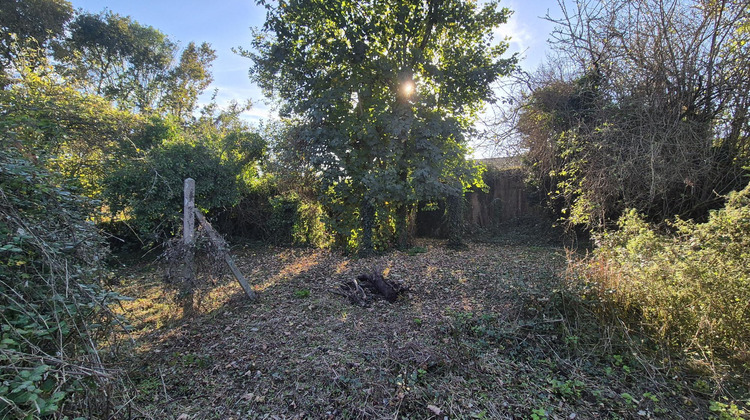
point(32, 23)
point(384, 93)
point(134, 65)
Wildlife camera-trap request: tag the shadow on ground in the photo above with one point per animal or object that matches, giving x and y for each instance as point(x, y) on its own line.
point(482, 333)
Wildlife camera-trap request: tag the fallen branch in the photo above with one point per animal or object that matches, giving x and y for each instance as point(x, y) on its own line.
point(354, 292)
point(71, 368)
point(379, 284)
point(222, 247)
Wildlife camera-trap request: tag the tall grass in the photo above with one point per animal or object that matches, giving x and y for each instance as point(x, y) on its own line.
point(688, 290)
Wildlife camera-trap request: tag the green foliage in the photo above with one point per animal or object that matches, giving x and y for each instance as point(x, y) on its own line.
point(133, 65)
point(32, 23)
point(727, 411)
point(568, 390)
point(539, 414)
point(477, 331)
point(382, 94)
point(67, 135)
point(53, 309)
point(134, 164)
point(69, 132)
point(302, 293)
point(117, 58)
point(188, 80)
point(296, 222)
point(147, 190)
point(688, 289)
point(283, 217)
point(310, 228)
point(416, 250)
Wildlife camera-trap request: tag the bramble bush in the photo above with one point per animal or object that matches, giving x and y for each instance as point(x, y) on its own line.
point(690, 289)
point(53, 311)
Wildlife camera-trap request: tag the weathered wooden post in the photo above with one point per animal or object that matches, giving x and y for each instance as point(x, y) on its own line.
point(188, 243)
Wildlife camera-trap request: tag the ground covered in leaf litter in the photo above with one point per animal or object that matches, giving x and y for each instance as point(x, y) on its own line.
point(482, 333)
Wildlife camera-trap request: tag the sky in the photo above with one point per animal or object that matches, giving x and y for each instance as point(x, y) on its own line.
point(227, 23)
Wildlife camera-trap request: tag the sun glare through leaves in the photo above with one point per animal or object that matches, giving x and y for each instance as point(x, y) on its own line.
point(408, 88)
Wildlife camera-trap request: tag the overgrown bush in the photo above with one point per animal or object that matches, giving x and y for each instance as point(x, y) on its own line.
point(52, 308)
point(147, 191)
point(310, 227)
point(268, 213)
point(650, 112)
point(283, 218)
point(78, 135)
point(689, 289)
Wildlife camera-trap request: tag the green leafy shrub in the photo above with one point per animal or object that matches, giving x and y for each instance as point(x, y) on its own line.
point(53, 311)
point(690, 289)
point(284, 216)
point(147, 191)
point(150, 191)
point(294, 221)
point(311, 228)
point(726, 411)
point(74, 134)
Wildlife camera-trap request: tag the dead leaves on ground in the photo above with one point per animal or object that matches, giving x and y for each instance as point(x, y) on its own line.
point(455, 345)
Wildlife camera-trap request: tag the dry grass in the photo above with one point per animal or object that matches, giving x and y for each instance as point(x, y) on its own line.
point(482, 333)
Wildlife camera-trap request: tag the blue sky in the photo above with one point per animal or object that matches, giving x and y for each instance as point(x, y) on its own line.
point(226, 24)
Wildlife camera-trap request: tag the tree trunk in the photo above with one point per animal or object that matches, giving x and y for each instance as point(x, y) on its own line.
point(404, 226)
point(367, 218)
point(455, 216)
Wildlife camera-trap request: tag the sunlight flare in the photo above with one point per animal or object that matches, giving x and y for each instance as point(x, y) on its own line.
point(408, 88)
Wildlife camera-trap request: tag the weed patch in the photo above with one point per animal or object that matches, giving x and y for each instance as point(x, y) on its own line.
point(679, 298)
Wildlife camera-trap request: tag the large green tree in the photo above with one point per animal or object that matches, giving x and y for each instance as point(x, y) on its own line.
point(30, 23)
point(385, 92)
point(118, 58)
point(188, 80)
point(134, 65)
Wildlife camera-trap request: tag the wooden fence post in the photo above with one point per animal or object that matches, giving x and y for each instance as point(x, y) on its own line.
point(188, 243)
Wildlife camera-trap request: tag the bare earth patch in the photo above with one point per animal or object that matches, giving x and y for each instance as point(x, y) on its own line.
point(481, 333)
